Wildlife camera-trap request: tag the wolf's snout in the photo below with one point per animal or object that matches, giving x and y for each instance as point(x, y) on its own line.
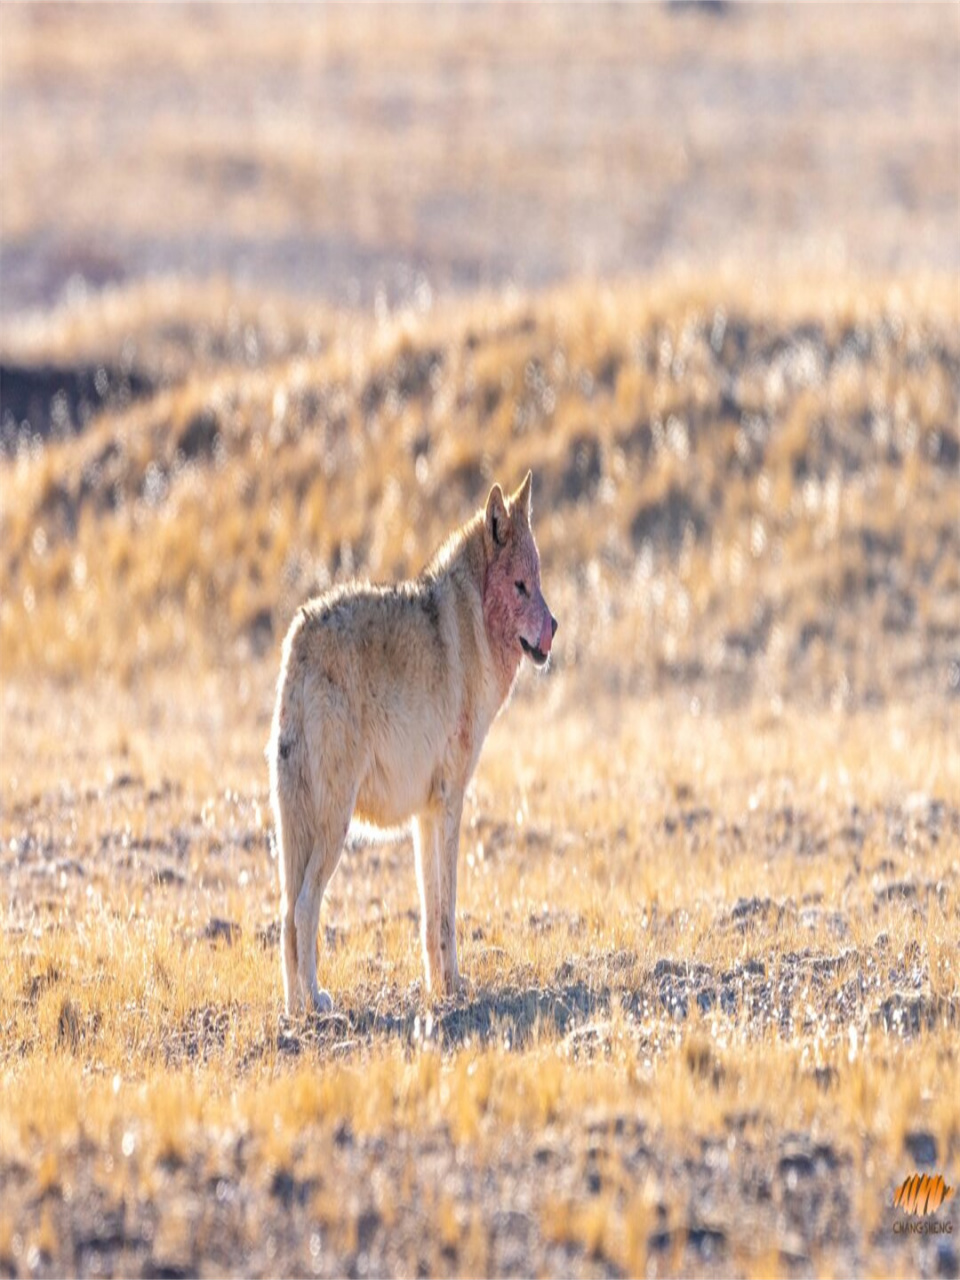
point(548, 631)
point(553, 626)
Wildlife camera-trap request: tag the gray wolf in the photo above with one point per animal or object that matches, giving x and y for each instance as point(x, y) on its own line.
point(384, 699)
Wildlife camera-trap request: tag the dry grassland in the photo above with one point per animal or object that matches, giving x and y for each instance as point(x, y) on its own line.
point(709, 897)
point(710, 867)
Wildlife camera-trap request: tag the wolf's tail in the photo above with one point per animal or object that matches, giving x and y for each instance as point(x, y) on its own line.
point(286, 730)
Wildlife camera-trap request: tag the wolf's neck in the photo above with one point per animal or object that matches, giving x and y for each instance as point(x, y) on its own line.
point(464, 545)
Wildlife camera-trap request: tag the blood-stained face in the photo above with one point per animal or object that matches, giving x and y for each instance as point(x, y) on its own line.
point(518, 619)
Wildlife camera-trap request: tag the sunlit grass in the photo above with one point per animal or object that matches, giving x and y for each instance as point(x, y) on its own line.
point(610, 910)
point(700, 524)
point(708, 887)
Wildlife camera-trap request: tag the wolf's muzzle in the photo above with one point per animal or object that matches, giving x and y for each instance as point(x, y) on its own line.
point(534, 654)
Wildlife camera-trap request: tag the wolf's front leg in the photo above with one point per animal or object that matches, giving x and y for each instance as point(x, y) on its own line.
point(448, 883)
point(288, 950)
point(427, 839)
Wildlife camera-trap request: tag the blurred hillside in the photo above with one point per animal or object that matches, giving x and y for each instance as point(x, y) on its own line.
point(735, 490)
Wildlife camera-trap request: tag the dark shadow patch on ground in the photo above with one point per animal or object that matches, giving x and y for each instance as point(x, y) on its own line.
point(784, 992)
point(511, 1017)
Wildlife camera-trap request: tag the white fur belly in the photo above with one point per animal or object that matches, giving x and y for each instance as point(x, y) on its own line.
point(387, 800)
point(397, 780)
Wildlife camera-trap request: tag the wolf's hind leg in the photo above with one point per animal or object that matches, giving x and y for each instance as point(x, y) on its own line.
point(323, 863)
point(291, 804)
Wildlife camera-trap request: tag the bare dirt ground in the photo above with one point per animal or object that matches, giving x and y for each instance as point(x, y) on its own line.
point(710, 867)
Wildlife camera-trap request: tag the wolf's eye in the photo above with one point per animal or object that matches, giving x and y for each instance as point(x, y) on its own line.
point(522, 588)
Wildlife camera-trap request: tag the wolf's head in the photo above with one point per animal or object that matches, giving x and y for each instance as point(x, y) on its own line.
point(518, 620)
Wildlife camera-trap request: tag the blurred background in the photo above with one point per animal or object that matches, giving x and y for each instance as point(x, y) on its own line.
point(357, 153)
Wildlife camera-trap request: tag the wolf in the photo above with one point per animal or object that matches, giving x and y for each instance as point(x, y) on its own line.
point(384, 699)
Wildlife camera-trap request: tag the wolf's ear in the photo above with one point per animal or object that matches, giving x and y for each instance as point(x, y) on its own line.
point(496, 519)
point(521, 499)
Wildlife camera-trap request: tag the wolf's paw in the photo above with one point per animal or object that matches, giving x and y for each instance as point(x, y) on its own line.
point(322, 1001)
point(453, 985)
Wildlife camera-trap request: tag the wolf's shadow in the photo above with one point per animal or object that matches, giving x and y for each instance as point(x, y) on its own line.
point(511, 1018)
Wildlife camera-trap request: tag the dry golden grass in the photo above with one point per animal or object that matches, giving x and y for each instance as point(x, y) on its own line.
point(713, 1001)
point(710, 868)
point(723, 475)
point(709, 899)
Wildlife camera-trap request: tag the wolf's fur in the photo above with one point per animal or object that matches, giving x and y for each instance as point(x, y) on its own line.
point(384, 699)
